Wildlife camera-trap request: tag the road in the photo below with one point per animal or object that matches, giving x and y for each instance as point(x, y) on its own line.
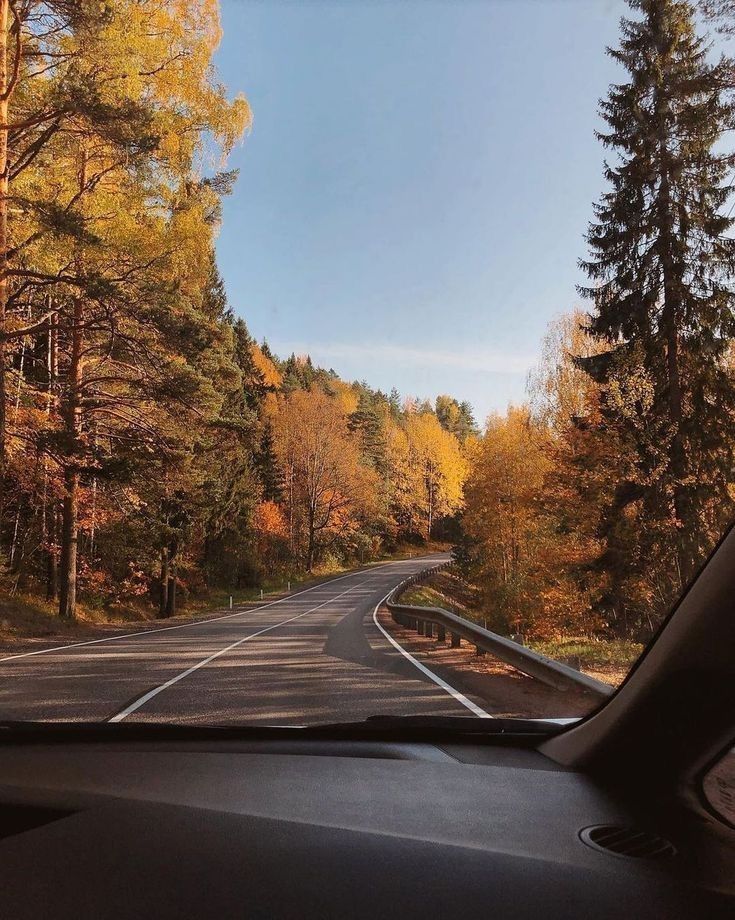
point(315, 656)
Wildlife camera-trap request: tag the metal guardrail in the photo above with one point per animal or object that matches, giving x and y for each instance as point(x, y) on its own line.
point(424, 619)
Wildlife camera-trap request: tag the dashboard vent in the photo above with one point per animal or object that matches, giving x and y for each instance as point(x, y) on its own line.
point(627, 841)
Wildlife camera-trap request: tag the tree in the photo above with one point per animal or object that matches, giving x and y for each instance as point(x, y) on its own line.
point(148, 445)
point(331, 489)
point(661, 261)
point(115, 228)
point(455, 417)
point(585, 463)
point(721, 12)
point(501, 518)
point(437, 468)
point(368, 422)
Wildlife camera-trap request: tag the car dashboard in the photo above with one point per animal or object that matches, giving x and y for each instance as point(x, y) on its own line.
point(321, 828)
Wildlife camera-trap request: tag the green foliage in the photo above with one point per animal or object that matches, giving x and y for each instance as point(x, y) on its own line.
point(662, 259)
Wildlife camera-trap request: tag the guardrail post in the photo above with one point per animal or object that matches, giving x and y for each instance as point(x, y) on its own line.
point(479, 652)
point(441, 634)
point(420, 627)
point(429, 629)
point(456, 641)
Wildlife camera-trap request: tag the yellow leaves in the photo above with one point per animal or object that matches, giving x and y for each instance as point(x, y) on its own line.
point(506, 479)
point(631, 391)
point(559, 389)
point(329, 488)
point(508, 468)
point(158, 54)
point(346, 397)
point(272, 377)
point(436, 462)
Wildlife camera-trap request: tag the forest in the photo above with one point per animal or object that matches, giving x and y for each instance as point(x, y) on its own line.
point(590, 508)
point(152, 451)
point(150, 448)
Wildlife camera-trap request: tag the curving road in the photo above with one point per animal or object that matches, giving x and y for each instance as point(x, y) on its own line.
point(315, 656)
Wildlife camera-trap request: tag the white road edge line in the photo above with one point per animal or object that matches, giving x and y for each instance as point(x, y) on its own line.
point(460, 697)
point(141, 701)
point(228, 616)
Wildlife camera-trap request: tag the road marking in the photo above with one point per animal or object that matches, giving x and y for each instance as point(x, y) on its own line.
point(228, 616)
point(141, 701)
point(460, 697)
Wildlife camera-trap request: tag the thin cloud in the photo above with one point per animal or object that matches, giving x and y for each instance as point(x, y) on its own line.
point(489, 362)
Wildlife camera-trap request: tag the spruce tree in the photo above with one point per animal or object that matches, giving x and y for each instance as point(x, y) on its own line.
point(253, 384)
point(266, 465)
point(661, 264)
point(369, 424)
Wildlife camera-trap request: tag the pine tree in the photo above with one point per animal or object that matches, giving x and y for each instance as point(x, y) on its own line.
point(661, 262)
point(455, 417)
point(394, 403)
point(254, 386)
point(366, 421)
point(266, 465)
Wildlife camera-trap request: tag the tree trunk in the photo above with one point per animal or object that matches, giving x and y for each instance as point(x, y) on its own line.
point(171, 599)
point(51, 512)
point(163, 599)
point(290, 510)
point(69, 544)
point(310, 552)
point(430, 492)
point(4, 243)
point(312, 541)
point(206, 553)
point(52, 565)
point(670, 319)
point(73, 431)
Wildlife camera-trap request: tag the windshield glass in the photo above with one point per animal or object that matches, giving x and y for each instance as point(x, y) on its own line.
point(313, 314)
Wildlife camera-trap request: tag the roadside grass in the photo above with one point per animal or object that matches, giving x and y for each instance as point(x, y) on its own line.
point(25, 616)
point(590, 651)
point(426, 596)
point(444, 589)
point(269, 588)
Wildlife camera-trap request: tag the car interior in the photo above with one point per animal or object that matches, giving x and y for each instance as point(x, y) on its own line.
point(415, 372)
point(395, 817)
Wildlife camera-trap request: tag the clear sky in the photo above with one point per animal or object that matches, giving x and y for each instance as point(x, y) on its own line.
point(415, 190)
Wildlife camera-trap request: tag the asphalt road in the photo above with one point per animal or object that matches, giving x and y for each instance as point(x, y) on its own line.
point(315, 656)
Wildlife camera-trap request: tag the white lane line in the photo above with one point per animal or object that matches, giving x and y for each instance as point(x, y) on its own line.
point(228, 616)
point(141, 701)
point(460, 697)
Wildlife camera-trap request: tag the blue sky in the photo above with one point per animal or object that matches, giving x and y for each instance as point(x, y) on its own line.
point(415, 190)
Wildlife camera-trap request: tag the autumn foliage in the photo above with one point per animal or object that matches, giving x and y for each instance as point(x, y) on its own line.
point(148, 445)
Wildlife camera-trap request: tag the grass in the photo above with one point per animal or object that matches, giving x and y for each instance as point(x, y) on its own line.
point(270, 587)
point(24, 616)
point(444, 589)
point(426, 596)
point(589, 651)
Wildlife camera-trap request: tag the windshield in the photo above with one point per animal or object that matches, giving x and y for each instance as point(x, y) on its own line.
point(357, 359)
